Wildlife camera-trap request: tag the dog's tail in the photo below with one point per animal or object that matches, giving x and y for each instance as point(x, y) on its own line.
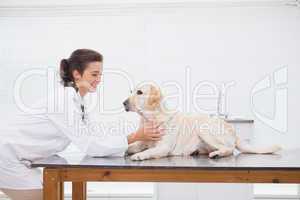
point(247, 148)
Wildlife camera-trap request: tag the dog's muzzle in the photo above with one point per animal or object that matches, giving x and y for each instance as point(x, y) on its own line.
point(126, 105)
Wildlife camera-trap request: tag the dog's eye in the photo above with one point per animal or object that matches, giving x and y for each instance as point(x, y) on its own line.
point(139, 92)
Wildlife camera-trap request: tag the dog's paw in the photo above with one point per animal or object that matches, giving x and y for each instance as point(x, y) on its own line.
point(135, 148)
point(214, 155)
point(137, 157)
point(131, 151)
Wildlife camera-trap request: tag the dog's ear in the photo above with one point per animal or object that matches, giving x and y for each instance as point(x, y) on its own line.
point(155, 96)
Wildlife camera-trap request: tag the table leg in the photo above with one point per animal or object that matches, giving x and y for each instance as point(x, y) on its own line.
point(53, 187)
point(62, 191)
point(78, 190)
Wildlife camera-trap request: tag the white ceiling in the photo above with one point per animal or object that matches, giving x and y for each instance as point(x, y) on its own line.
point(29, 3)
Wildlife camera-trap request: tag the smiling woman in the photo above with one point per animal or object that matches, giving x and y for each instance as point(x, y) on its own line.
point(82, 60)
point(32, 136)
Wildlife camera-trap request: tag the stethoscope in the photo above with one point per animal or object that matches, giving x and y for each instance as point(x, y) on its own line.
point(81, 103)
point(82, 112)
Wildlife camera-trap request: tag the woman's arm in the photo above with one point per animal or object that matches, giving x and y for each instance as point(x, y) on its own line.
point(88, 134)
point(147, 132)
point(92, 140)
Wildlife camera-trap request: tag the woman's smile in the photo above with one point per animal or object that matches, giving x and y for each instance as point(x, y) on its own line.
point(95, 84)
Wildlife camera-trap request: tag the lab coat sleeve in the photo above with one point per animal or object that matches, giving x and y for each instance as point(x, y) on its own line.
point(88, 134)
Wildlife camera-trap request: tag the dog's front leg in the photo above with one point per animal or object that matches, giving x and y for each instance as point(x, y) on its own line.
point(136, 147)
point(156, 152)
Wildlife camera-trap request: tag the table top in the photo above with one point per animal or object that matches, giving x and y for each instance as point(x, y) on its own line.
point(284, 160)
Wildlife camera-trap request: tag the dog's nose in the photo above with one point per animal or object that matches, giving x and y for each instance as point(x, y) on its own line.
point(125, 103)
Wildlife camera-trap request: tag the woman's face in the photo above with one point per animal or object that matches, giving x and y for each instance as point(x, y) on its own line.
point(92, 74)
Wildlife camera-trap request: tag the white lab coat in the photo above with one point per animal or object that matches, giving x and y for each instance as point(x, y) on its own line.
point(33, 136)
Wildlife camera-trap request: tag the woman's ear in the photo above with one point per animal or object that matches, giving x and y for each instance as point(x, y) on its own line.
point(76, 75)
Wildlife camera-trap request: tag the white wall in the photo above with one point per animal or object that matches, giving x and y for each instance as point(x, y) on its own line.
point(219, 44)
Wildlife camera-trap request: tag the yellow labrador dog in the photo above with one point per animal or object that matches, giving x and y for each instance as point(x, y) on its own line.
point(184, 134)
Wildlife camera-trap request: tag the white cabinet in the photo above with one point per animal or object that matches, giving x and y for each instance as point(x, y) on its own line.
point(220, 191)
point(202, 191)
point(177, 191)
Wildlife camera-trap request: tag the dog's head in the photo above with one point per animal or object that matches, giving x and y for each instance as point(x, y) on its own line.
point(143, 99)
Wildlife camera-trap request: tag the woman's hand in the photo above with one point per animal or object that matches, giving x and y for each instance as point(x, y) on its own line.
point(84, 87)
point(148, 131)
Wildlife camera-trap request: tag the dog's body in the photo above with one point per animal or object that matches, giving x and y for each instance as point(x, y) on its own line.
point(184, 134)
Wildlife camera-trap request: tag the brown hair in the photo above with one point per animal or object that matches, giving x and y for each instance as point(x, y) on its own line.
point(78, 60)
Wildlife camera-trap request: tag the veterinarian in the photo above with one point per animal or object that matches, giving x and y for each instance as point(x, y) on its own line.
point(28, 137)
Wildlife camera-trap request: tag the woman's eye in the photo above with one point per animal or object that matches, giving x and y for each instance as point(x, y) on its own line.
point(139, 92)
